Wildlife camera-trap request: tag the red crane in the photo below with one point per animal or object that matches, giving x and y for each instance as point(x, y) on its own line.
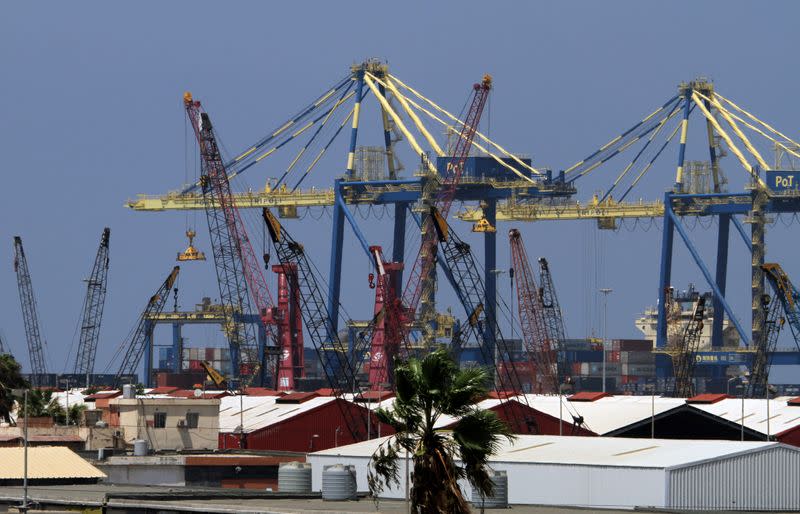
point(389, 322)
point(238, 269)
point(531, 318)
point(290, 327)
point(434, 225)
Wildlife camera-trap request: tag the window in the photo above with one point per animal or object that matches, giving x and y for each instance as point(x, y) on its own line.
point(192, 419)
point(160, 420)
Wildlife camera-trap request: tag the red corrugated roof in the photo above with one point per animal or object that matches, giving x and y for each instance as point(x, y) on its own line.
point(163, 390)
point(189, 393)
point(707, 398)
point(101, 395)
point(794, 401)
point(499, 395)
point(377, 396)
point(325, 391)
point(587, 396)
point(262, 391)
point(298, 397)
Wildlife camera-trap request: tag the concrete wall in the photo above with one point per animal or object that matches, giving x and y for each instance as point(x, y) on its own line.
point(94, 437)
point(166, 471)
point(136, 422)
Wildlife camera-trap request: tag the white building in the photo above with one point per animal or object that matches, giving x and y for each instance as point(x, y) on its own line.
point(617, 472)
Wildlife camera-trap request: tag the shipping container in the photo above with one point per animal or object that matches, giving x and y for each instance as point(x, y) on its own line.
point(639, 369)
point(633, 345)
point(631, 357)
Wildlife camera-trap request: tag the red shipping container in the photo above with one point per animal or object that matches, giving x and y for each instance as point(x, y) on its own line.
point(195, 365)
point(613, 356)
point(209, 354)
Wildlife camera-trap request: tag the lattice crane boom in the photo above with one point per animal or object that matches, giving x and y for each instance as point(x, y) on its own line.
point(93, 305)
point(238, 269)
point(553, 319)
point(784, 300)
point(30, 317)
point(134, 347)
point(685, 350)
point(787, 294)
point(433, 224)
point(534, 330)
point(339, 370)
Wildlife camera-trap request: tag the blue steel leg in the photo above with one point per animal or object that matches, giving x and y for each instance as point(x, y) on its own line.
point(721, 278)
point(334, 277)
point(743, 233)
point(490, 277)
point(148, 353)
point(665, 275)
point(399, 242)
point(177, 347)
point(707, 274)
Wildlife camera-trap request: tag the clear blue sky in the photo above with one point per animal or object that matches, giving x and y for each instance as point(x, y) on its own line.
point(91, 114)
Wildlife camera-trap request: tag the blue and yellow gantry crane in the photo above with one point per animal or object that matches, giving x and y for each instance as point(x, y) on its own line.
point(493, 176)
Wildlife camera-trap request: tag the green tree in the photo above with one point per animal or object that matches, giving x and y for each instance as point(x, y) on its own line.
point(10, 378)
point(426, 390)
point(40, 404)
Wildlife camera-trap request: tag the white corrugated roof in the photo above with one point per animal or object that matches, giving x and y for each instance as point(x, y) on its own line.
point(45, 462)
point(606, 414)
point(489, 403)
point(262, 411)
point(594, 451)
point(782, 417)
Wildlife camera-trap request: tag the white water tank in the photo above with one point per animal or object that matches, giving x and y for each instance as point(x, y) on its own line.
point(499, 497)
point(339, 482)
point(294, 477)
point(140, 448)
point(128, 392)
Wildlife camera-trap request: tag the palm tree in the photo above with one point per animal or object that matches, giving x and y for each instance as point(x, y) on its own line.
point(426, 390)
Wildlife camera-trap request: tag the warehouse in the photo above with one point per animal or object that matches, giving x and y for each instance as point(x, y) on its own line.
point(622, 472)
point(296, 422)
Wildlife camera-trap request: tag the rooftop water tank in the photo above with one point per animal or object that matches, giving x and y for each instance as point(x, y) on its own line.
point(338, 482)
point(140, 448)
point(499, 498)
point(128, 391)
point(294, 477)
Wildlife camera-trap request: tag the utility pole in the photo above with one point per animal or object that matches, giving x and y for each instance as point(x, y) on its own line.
point(606, 291)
